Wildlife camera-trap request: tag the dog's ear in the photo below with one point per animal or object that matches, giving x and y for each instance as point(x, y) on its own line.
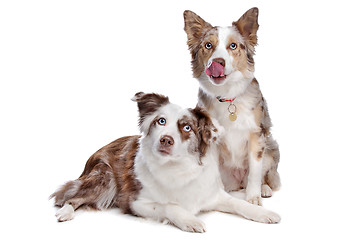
point(148, 103)
point(206, 129)
point(248, 25)
point(195, 28)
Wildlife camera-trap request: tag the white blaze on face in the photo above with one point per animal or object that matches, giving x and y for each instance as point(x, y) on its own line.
point(221, 49)
point(171, 113)
point(237, 75)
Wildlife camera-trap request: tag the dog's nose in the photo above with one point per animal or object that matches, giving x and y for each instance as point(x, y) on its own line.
point(221, 61)
point(167, 141)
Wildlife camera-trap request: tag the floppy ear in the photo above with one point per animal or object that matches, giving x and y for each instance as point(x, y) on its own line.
point(206, 129)
point(148, 103)
point(195, 28)
point(248, 25)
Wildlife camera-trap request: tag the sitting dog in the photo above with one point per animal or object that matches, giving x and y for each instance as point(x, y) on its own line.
point(223, 63)
point(169, 173)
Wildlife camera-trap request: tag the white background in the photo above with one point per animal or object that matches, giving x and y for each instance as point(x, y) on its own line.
point(68, 70)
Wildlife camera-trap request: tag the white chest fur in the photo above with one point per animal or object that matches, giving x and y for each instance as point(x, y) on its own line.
point(236, 133)
point(189, 185)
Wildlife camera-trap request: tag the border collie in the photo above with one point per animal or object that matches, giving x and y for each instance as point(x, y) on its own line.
point(169, 173)
point(223, 63)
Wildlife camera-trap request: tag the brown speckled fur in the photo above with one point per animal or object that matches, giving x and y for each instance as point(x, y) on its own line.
point(114, 162)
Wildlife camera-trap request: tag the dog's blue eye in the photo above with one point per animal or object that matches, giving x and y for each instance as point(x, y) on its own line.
point(208, 45)
point(162, 121)
point(233, 46)
point(187, 128)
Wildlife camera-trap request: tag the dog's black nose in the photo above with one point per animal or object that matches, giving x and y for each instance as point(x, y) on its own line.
point(167, 141)
point(221, 61)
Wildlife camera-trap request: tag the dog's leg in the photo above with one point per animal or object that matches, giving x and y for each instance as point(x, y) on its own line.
point(175, 214)
point(230, 204)
point(94, 189)
point(67, 212)
point(256, 150)
point(272, 179)
point(240, 194)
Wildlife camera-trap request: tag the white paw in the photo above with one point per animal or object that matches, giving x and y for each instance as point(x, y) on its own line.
point(65, 213)
point(267, 216)
point(191, 225)
point(266, 191)
point(254, 199)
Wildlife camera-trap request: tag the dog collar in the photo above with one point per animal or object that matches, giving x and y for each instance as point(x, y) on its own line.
point(220, 99)
point(231, 108)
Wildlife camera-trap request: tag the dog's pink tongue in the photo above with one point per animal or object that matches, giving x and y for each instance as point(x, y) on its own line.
point(215, 69)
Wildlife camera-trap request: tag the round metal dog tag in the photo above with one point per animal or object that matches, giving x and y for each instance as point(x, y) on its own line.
point(232, 111)
point(232, 117)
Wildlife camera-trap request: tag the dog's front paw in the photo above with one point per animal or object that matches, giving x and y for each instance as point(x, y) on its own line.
point(191, 225)
point(254, 199)
point(268, 217)
point(65, 213)
point(266, 191)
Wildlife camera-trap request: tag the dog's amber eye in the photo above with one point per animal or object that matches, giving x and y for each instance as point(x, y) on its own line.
point(208, 45)
point(233, 46)
point(162, 121)
point(187, 128)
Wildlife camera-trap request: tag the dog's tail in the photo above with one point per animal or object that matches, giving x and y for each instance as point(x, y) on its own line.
point(66, 192)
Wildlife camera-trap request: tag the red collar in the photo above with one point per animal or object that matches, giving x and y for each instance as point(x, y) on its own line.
point(225, 99)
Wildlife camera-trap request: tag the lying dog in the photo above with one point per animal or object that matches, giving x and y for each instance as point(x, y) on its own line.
point(169, 173)
point(223, 63)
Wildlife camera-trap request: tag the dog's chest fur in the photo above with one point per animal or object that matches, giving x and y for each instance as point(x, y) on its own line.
point(234, 148)
point(176, 183)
